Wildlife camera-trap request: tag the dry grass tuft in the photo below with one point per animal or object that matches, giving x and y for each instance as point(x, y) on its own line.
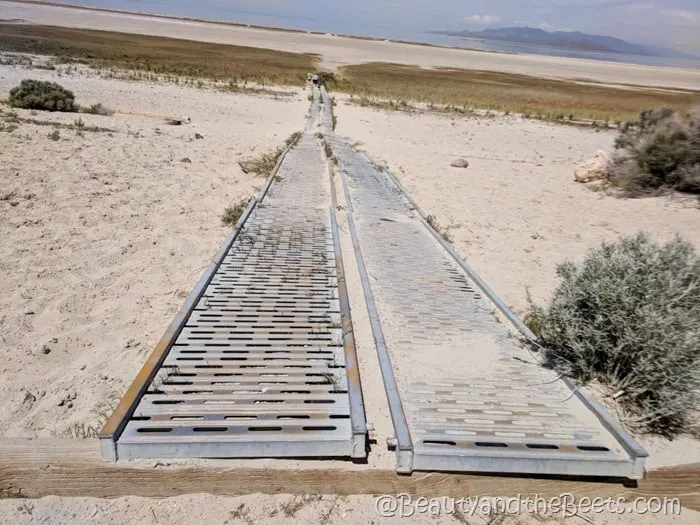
point(435, 225)
point(265, 163)
point(233, 213)
point(97, 109)
point(91, 429)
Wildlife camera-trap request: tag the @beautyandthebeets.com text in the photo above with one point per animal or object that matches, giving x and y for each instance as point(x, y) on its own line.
point(564, 505)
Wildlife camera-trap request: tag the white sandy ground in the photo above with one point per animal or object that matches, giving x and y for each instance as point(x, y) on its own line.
point(103, 235)
point(337, 51)
point(264, 509)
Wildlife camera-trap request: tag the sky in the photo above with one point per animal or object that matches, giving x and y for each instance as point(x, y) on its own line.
point(670, 23)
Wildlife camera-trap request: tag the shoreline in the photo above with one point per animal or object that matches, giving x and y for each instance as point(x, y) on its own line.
point(340, 50)
point(241, 24)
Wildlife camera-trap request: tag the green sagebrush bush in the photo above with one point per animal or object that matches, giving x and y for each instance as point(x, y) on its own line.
point(661, 151)
point(629, 317)
point(38, 94)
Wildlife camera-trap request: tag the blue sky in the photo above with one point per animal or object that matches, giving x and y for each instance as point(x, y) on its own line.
point(673, 23)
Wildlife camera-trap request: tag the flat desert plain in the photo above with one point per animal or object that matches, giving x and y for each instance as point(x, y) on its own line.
point(107, 222)
point(338, 51)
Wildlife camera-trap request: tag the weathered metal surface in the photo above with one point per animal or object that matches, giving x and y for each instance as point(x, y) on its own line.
point(474, 398)
point(257, 364)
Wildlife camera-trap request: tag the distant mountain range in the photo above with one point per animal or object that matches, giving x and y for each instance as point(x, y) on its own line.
point(567, 40)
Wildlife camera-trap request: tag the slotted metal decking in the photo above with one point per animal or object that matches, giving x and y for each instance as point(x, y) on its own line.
point(261, 362)
point(464, 395)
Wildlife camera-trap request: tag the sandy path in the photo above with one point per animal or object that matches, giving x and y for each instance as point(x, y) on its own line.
point(104, 235)
point(339, 51)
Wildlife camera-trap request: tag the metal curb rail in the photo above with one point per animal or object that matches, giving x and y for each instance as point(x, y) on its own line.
point(358, 419)
point(352, 367)
point(402, 440)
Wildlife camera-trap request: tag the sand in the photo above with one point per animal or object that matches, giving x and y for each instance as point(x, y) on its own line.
point(283, 509)
point(105, 233)
point(337, 51)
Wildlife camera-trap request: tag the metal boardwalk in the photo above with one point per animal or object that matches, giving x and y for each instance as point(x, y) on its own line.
point(261, 361)
point(464, 394)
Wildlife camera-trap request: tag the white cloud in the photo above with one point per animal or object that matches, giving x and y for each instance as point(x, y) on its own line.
point(482, 19)
point(690, 16)
point(639, 6)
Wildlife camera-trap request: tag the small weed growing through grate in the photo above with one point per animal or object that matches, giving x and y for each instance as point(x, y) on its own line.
point(233, 213)
point(265, 163)
point(332, 379)
point(444, 232)
point(293, 139)
point(327, 149)
point(244, 236)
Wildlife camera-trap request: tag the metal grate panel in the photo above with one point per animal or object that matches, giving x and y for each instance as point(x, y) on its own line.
point(259, 365)
point(474, 399)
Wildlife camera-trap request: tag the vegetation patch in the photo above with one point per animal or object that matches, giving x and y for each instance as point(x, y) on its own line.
point(38, 94)
point(466, 89)
point(164, 56)
point(233, 213)
point(658, 152)
point(627, 317)
point(97, 109)
point(265, 163)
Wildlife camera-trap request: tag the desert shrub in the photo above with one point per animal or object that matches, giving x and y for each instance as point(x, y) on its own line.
point(233, 213)
point(37, 94)
point(264, 163)
point(292, 139)
point(658, 152)
point(97, 109)
point(327, 78)
point(628, 318)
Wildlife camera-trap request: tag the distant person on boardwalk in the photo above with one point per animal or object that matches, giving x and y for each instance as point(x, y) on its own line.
point(315, 80)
